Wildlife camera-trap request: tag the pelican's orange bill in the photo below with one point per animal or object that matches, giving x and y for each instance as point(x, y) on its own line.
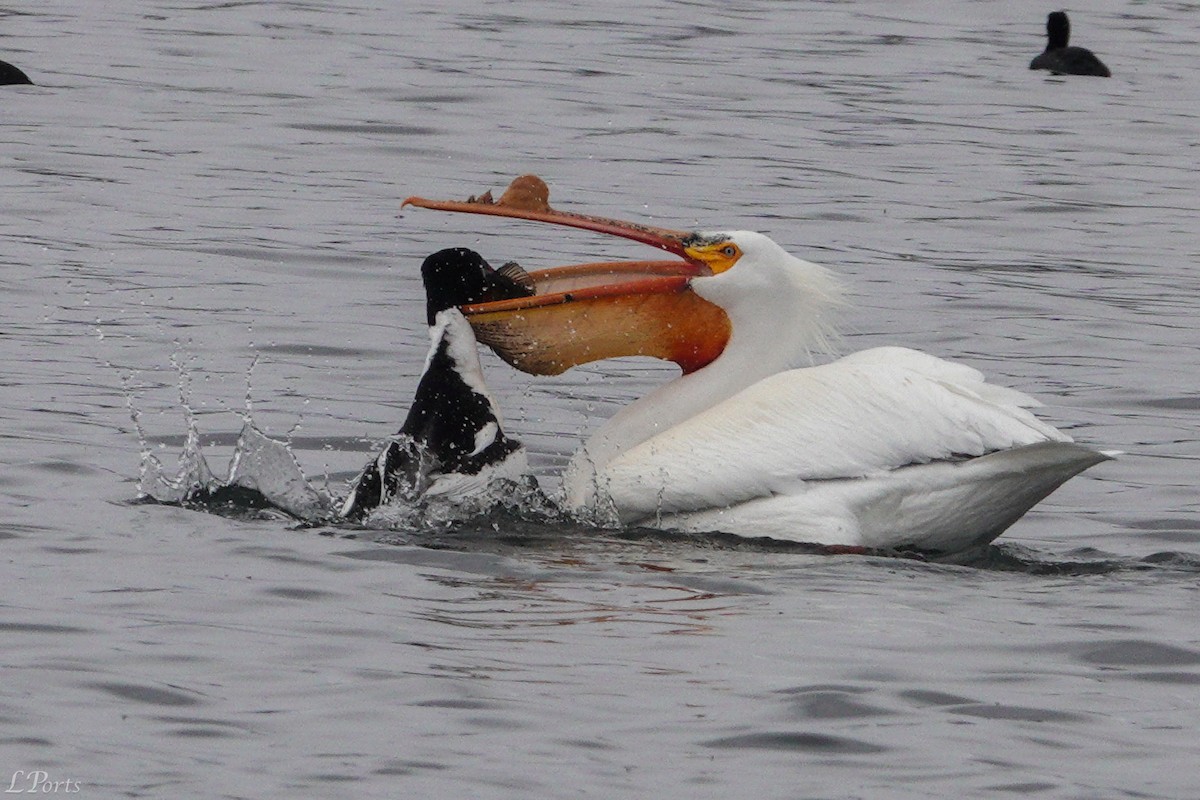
point(587, 312)
point(528, 197)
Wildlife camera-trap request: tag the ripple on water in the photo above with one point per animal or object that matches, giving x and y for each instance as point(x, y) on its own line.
point(375, 128)
point(410, 768)
point(150, 695)
point(1016, 713)
point(185, 727)
point(33, 627)
point(1138, 653)
point(797, 741)
point(927, 697)
point(831, 703)
point(299, 593)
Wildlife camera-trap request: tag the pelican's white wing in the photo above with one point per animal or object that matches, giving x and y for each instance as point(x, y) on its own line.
point(862, 416)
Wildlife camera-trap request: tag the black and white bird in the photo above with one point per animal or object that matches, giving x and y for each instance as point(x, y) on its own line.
point(452, 442)
point(1061, 59)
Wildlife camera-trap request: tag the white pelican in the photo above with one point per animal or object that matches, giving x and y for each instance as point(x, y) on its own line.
point(887, 448)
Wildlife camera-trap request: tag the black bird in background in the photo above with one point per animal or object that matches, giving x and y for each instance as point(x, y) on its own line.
point(11, 75)
point(1063, 60)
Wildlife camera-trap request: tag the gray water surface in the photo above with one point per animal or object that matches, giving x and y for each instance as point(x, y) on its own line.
point(201, 206)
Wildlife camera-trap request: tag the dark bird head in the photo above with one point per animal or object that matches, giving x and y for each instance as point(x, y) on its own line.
point(1058, 30)
point(458, 276)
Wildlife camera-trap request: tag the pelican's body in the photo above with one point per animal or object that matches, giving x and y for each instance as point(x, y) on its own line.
point(884, 448)
point(887, 448)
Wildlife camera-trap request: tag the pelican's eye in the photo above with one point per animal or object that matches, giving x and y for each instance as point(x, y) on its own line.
point(718, 256)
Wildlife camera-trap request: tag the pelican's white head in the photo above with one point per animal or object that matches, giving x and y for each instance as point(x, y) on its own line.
point(779, 306)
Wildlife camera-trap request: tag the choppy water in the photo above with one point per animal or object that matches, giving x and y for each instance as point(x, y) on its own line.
point(218, 185)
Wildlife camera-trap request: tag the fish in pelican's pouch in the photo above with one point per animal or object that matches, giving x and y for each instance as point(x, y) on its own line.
point(452, 439)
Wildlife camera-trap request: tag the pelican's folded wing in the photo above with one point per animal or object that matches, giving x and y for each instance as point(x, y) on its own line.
point(864, 415)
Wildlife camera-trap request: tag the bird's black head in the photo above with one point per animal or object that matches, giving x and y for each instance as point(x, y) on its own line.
point(1058, 30)
point(458, 276)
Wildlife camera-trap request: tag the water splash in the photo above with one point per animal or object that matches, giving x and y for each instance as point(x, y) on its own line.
point(265, 478)
point(504, 500)
point(263, 475)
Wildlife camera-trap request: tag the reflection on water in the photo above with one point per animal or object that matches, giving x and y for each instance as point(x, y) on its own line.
point(520, 608)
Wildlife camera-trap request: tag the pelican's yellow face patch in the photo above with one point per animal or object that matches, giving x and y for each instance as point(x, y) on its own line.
point(718, 256)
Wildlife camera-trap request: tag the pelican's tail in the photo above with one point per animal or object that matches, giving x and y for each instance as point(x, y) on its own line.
point(956, 506)
point(940, 507)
